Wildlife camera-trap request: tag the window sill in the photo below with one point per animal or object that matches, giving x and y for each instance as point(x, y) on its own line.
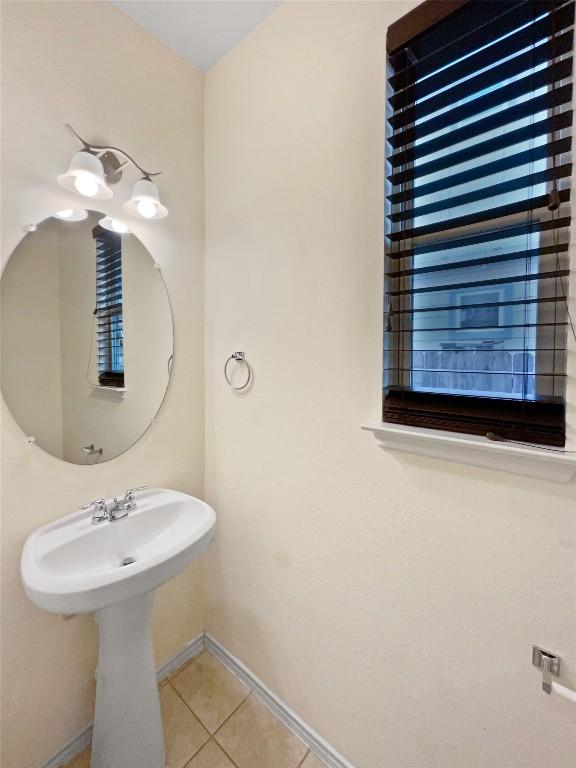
point(112, 392)
point(553, 465)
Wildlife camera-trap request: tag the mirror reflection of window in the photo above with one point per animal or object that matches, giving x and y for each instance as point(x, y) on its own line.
point(108, 310)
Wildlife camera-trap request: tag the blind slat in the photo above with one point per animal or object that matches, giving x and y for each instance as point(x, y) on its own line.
point(480, 262)
point(479, 149)
point(483, 372)
point(484, 57)
point(481, 305)
point(520, 230)
point(485, 193)
point(549, 100)
point(522, 278)
point(523, 87)
point(515, 160)
point(483, 22)
point(506, 326)
point(499, 212)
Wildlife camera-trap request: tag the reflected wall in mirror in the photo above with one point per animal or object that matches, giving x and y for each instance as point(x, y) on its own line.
point(87, 339)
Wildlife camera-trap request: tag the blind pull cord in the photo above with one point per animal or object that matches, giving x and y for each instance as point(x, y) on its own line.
point(389, 312)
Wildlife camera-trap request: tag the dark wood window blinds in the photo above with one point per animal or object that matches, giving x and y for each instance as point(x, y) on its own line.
point(478, 177)
point(110, 328)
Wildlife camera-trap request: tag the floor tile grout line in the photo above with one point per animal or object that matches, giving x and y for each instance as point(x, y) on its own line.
point(234, 763)
point(169, 682)
point(206, 743)
point(212, 735)
point(195, 754)
point(191, 711)
point(301, 763)
point(239, 679)
point(226, 719)
point(278, 709)
point(228, 755)
point(223, 723)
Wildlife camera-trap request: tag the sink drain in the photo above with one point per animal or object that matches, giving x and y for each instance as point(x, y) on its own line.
point(127, 561)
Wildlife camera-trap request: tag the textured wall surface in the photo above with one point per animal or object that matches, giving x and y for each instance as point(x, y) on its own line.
point(88, 64)
point(391, 600)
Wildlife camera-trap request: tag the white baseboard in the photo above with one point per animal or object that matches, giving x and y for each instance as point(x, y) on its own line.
point(317, 744)
point(313, 740)
point(71, 749)
point(193, 648)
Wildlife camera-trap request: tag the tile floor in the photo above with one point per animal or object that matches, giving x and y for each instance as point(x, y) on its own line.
point(212, 720)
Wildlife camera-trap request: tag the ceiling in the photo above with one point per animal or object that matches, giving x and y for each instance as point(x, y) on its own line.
point(201, 31)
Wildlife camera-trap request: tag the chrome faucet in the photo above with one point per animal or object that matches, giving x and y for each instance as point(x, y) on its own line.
point(120, 507)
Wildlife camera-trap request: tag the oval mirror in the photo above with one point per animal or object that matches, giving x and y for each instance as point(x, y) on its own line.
point(87, 338)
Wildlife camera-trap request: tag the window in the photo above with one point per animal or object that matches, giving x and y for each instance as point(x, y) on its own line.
point(478, 213)
point(110, 331)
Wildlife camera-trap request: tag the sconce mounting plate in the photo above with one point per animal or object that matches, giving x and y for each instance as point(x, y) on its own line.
point(112, 167)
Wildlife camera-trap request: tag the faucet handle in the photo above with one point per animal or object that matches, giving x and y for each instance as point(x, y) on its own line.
point(97, 505)
point(129, 494)
point(98, 508)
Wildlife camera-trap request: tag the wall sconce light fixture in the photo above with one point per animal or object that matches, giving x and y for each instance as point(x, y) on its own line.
point(145, 201)
point(95, 168)
point(86, 175)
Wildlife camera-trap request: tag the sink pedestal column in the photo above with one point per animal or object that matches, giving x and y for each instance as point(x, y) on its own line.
point(128, 730)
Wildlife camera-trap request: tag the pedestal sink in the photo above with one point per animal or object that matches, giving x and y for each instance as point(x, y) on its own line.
point(112, 569)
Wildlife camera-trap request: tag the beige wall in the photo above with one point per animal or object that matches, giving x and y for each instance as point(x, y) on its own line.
point(89, 64)
point(391, 600)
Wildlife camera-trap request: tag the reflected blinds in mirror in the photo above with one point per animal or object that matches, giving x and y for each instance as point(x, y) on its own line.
point(478, 213)
point(110, 326)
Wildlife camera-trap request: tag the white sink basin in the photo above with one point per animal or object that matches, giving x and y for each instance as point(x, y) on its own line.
point(72, 566)
point(75, 566)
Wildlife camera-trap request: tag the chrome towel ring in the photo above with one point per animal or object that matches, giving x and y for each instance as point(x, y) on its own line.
point(239, 357)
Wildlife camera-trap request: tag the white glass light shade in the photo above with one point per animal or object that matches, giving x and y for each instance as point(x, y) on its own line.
point(72, 214)
point(113, 225)
point(85, 175)
point(145, 201)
